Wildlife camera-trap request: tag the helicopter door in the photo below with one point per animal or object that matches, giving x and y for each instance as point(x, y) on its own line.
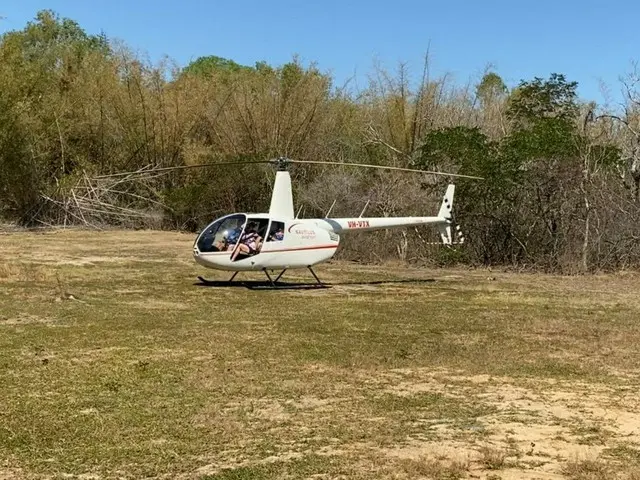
point(251, 239)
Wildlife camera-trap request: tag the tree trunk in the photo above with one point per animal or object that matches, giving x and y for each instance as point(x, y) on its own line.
point(587, 212)
point(585, 241)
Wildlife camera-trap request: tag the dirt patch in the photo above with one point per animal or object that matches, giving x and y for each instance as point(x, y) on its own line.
point(235, 463)
point(538, 428)
point(10, 474)
point(157, 304)
point(25, 319)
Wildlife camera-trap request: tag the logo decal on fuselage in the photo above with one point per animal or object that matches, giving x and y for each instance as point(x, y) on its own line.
point(304, 232)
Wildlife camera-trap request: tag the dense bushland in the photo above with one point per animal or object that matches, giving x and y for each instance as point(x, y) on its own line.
point(78, 111)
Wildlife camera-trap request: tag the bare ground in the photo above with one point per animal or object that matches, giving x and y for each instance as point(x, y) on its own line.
point(115, 363)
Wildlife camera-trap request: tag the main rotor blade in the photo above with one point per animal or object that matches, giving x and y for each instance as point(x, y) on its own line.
point(180, 167)
point(145, 170)
point(385, 167)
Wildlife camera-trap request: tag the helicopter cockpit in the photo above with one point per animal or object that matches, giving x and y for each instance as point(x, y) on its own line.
point(238, 234)
point(221, 234)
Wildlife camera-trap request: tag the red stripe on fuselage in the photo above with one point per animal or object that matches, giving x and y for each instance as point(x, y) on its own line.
point(318, 247)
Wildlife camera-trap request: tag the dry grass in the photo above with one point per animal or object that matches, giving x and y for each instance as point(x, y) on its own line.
point(588, 470)
point(492, 458)
point(113, 363)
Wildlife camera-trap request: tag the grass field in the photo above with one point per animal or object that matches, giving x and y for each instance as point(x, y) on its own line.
point(115, 363)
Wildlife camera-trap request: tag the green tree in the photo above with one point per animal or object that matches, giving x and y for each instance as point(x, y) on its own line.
point(213, 64)
point(537, 184)
point(490, 89)
point(541, 99)
point(488, 206)
point(39, 66)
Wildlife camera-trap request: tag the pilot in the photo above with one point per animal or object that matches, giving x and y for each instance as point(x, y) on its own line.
point(234, 234)
point(231, 238)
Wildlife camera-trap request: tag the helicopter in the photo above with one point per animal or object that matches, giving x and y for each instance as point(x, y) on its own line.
point(278, 241)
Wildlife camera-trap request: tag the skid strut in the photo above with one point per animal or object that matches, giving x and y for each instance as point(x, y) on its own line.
point(269, 277)
point(281, 273)
point(271, 280)
point(314, 275)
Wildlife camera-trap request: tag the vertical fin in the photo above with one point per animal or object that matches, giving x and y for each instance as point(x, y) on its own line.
point(446, 212)
point(282, 198)
point(447, 203)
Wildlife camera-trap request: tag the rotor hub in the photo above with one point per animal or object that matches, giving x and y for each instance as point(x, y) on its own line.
point(282, 164)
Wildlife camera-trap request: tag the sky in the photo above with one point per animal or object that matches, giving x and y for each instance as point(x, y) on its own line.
point(591, 42)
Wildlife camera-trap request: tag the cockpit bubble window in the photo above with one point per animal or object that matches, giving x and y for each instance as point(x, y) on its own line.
point(276, 232)
point(222, 235)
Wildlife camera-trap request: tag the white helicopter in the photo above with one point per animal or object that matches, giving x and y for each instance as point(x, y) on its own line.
point(278, 241)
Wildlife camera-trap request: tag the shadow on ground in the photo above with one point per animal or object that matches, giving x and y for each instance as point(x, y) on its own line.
point(266, 285)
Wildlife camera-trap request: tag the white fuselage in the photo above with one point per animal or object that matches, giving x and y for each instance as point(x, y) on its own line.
point(306, 242)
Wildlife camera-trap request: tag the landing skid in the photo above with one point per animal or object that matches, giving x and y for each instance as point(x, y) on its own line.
point(217, 282)
point(270, 284)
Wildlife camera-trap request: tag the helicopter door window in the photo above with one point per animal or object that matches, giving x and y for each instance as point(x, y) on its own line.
point(276, 232)
point(262, 225)
point(250, 241)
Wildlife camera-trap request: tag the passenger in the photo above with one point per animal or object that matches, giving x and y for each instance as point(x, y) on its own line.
point(249, 243)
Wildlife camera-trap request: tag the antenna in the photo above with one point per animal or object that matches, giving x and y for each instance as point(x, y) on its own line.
point(299, 210)
point(365, 207)
point(330, 208)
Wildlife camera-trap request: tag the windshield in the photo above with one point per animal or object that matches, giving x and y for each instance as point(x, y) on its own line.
point(222, 234)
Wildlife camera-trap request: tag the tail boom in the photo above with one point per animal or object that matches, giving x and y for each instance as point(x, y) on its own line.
point(449, 233)
point(344, 225)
